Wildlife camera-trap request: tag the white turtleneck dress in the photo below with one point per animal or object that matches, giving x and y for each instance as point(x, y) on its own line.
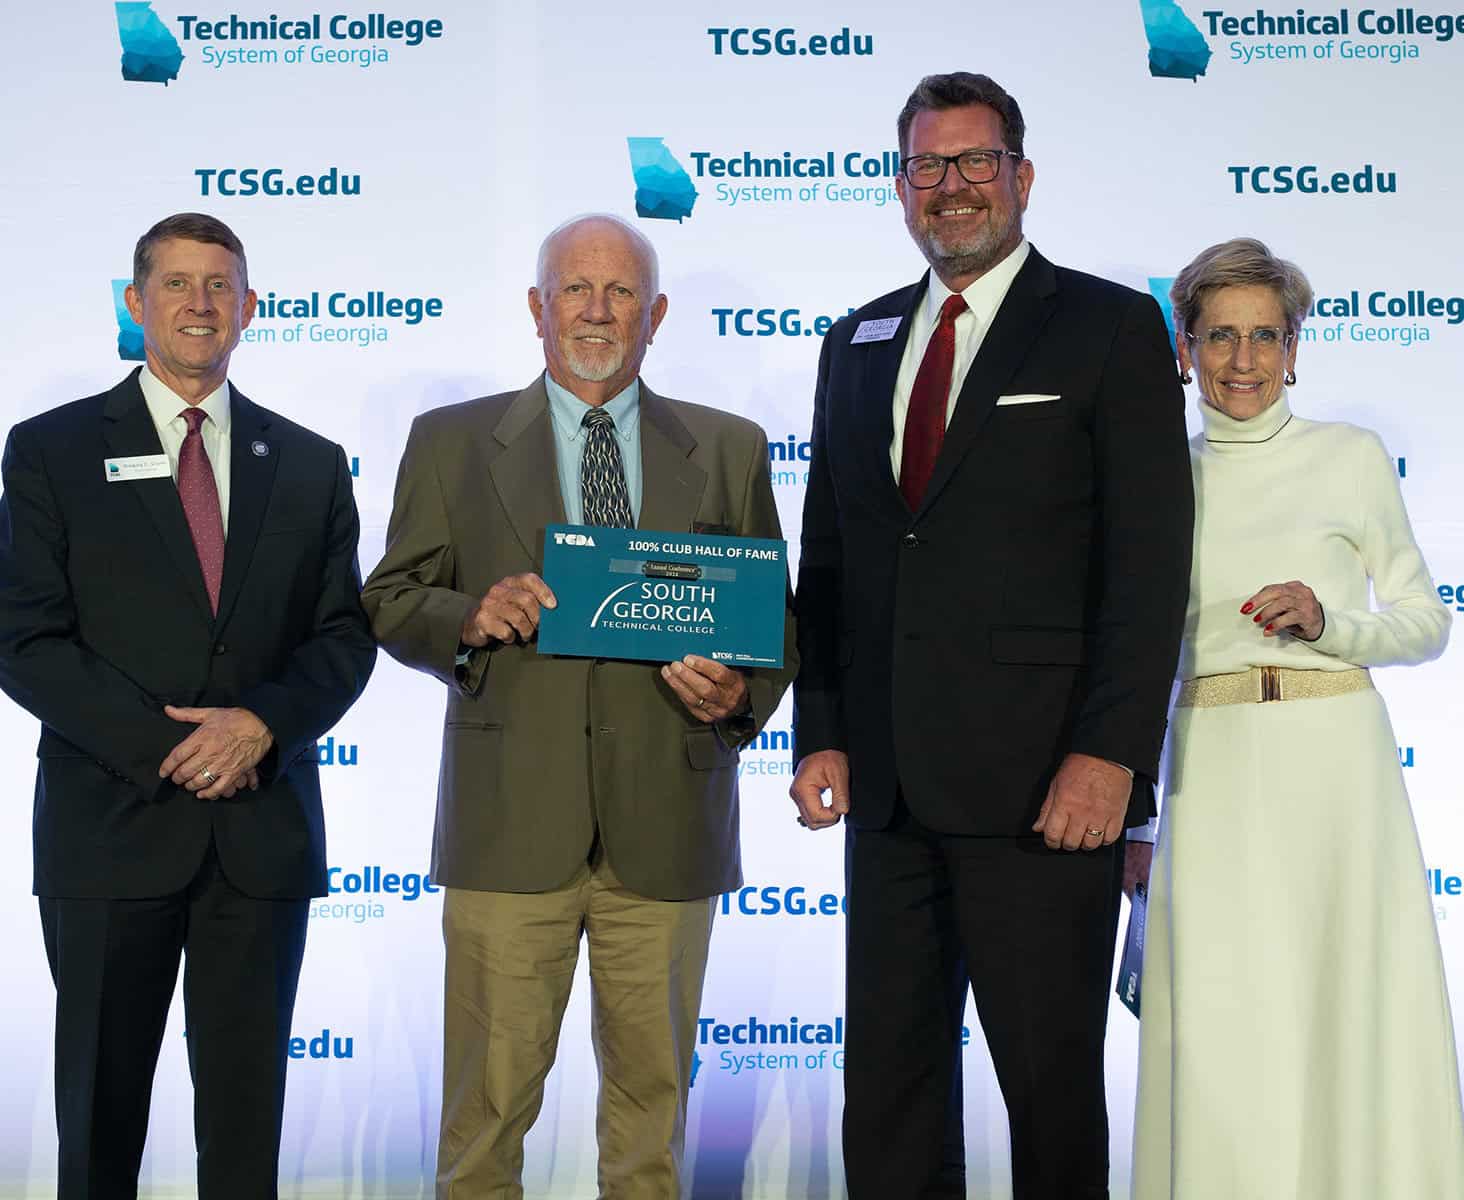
point(1296, 1040)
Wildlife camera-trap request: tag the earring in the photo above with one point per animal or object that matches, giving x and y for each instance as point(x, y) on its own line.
point(1290, 378)
point(1185, 378)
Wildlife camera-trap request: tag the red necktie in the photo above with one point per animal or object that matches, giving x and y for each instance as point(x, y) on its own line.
point(925, 419)
point(200, 496)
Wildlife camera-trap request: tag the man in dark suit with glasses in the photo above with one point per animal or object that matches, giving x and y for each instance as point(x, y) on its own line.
point(995, 559)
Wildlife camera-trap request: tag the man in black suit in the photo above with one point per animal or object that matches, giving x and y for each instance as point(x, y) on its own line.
point(180, 606)
point(995, 559)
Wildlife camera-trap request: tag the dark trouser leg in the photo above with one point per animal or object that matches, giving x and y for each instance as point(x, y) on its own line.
point(905, 994)
point(114, 963)
point(239, 979)
point(1037, 932)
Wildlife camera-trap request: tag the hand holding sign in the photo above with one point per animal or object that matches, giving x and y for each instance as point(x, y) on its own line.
point(710, 691)
point(508, 612)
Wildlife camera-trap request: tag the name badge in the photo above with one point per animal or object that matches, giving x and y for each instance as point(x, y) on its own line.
point(139, 466)
point(875, 331)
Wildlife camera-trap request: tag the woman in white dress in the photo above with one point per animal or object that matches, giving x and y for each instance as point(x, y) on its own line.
point(1296, 1040)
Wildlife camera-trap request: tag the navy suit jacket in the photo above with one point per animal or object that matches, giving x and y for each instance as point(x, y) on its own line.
point(1033, 604)
point(104, 619)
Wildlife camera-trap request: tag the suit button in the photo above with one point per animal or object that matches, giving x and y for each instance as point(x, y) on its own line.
point(909, 541)
point(220, 649)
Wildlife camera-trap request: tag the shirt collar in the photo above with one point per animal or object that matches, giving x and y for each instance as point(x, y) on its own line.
point(1224, 430)
point(568, 410)
point(165, 404)
point(984, 295)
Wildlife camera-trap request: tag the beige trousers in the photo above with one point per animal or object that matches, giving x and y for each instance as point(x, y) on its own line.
point(510, 963)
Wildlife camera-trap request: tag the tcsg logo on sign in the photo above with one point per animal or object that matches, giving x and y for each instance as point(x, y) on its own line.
point(786, 42)
point(663, 189)
point(771, 322)
point(151, 52)
point(272, 181)
point(359, 896)
point(791, 1045)
point(360, 319)
point(1268, 180)
point(325, 1044)
point(1179, 48)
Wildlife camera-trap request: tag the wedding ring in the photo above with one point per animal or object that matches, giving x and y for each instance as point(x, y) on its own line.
point(701, 702)
point(208, 776)
point(1095, 833)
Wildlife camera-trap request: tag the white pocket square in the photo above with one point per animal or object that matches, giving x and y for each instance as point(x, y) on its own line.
point(1032, 398)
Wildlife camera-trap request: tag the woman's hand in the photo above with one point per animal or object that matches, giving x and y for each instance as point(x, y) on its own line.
point(1292, 607)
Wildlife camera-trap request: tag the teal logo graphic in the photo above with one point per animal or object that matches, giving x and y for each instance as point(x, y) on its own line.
point(1177, 49)
point(150, 53)
point(1159, 289)
point(129, 332)
point(663, 189)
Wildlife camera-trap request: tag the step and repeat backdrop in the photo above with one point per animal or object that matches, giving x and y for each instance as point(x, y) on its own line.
point(392, 170)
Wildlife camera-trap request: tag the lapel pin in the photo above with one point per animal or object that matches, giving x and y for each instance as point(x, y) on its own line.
point(259, 448)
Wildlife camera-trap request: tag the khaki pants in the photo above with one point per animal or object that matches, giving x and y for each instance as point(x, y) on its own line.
point(510, 963)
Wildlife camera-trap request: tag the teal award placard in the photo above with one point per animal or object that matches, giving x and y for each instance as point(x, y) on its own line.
point(638, 594)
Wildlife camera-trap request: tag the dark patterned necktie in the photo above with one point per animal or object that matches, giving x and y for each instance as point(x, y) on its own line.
point(602, 474)
point(200, 496)
point(925, 419)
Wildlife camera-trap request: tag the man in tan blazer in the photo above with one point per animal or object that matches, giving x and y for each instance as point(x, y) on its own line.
point(575, 795)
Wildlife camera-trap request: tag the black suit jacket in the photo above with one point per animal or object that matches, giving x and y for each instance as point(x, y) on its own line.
point(104, 619)
point(1033, 605)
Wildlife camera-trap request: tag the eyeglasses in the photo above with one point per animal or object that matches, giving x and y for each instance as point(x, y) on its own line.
point(1222, 340)
point(975, 166)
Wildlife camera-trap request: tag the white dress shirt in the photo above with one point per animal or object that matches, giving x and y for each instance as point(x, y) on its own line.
point(165, 405)
point(983, 298)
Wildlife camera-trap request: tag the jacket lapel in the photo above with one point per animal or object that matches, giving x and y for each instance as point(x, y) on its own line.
point(1028, 305)
point(872, 417)
point(251, 479)
point(128, 430)
point(526, 477)
point(524, 472)
point(671, 484)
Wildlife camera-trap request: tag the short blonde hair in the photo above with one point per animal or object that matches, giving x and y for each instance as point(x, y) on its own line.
point(1240, 262)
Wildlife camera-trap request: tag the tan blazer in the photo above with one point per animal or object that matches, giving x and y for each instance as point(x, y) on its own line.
point(538, 751)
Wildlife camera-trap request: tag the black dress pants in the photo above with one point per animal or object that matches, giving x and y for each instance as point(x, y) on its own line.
point(1032, 931)
point(115, 964)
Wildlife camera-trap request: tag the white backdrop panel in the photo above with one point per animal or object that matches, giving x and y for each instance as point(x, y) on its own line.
point(468, 147)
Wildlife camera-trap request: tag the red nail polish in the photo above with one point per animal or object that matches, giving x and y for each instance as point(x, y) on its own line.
point(1257, 618)
point(1269, 628)
point(1245, 608)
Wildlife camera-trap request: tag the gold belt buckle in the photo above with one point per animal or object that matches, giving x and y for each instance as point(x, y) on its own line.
point(1270, 684)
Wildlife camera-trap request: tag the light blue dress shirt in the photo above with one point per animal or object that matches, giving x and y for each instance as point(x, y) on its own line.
point(566, 411)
